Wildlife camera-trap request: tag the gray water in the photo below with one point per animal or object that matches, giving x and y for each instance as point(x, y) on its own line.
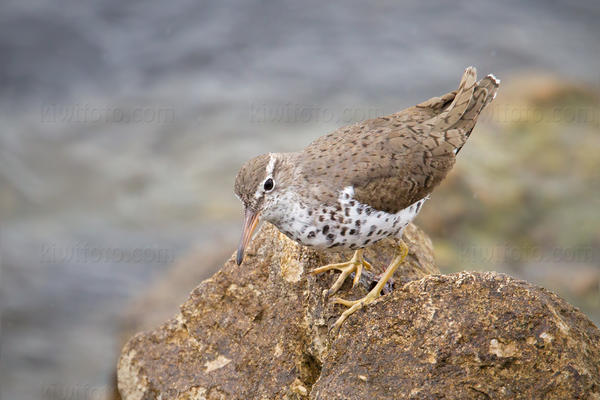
point(123, 124)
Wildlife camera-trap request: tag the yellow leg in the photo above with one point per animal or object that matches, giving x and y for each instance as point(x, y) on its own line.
point(355, 265)
point(374, 293)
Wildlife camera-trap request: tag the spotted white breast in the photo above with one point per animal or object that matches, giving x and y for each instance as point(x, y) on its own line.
point(348, 224)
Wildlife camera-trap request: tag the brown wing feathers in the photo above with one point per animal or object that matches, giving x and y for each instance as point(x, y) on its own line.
point(431, 144)
point(397, 160)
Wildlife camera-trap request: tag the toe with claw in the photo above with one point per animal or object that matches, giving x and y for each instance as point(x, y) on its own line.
point(356, 265)
point(355, 305)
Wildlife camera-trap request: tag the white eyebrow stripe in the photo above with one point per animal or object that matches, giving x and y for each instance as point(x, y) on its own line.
point(271, 165)
point(269, 170)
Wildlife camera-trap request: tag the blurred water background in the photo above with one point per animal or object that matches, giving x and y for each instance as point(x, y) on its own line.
point(123, 125)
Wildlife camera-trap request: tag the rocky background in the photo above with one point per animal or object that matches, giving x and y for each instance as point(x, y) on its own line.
point(124, 124)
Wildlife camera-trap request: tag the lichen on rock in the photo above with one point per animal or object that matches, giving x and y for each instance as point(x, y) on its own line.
point(261, 331)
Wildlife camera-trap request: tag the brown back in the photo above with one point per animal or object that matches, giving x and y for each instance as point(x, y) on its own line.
point(396, 160)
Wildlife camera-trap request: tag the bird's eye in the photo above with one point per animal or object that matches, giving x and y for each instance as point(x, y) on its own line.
point(268, 185)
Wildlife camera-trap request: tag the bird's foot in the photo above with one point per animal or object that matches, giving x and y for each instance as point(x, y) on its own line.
point(355, 305)
point(355, 265)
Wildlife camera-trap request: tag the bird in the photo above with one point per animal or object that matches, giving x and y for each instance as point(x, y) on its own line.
point(362, 183)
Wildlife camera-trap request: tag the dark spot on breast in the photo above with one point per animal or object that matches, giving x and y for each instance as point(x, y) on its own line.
point(325, 229)
point(309, 213)
point(343, 232)
point(366, 242)
point(347, 212)
point(311, 234)
point(379, 232)
point(359, 210)
point(357, 223)
point(321, 218)
point(330, 236)
point(352, 203)
point(352, 231)
point(368, 211)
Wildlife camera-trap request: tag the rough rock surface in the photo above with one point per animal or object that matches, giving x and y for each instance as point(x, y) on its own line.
point(465, 335)
point(161, 300)
point(260, 331)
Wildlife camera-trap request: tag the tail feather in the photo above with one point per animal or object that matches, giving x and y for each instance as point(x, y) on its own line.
point(451, 115)
point(459, 118)
point(484, 93)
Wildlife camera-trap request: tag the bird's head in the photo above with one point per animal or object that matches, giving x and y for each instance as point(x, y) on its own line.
point(259, 185)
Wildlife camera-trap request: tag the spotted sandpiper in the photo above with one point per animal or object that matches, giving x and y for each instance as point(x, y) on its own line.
point(364, 182)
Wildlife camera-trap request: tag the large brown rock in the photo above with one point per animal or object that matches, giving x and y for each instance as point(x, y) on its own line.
point(161, 300)
point(255, 331)
point(465, 335)
point(260, 331)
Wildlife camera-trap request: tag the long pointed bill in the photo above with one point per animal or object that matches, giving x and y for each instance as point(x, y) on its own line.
point(250, 222)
